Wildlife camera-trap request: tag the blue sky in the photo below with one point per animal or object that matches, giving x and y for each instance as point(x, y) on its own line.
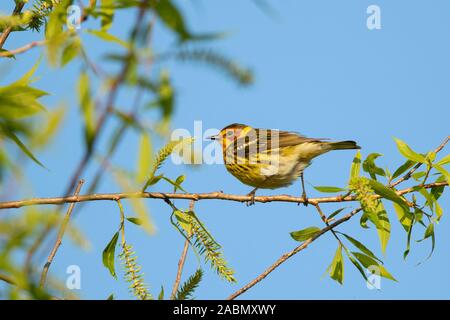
point(319, 71)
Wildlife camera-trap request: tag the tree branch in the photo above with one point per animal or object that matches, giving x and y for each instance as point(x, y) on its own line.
point(191, 196)
point(27, 47)
point(286, 256)
point(64, 225)
point(17, 9)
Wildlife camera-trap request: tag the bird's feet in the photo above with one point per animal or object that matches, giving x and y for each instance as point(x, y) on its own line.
point(305, 199)
point(252, 199)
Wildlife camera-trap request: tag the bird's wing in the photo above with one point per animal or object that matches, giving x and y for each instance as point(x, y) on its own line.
point(289, 138)
point(265, 140)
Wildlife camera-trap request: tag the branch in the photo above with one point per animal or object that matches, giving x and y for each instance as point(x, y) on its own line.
point(286, 256)
point(64, 225)
point(17, 9)
point(182, 260)
point(192, 196)
point(22, 49)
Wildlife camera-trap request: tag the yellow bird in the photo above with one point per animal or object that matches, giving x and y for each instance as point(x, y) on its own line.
point(270, 159)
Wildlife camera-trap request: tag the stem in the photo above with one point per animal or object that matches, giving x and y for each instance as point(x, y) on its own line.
point(288, 255)
point(191, 196)
point(64, 225)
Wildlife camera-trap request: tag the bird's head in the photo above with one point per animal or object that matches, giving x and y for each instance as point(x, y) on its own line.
point(231, 133)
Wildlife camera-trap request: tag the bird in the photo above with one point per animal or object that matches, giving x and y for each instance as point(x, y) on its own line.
point(271, 158)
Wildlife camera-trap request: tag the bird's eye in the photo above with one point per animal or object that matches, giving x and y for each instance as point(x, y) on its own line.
point(230, 133)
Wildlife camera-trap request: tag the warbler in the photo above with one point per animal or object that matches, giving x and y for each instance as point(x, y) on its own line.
point(271, 159)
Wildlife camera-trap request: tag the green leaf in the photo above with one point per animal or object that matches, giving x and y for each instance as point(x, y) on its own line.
point(109, 254)
point(183, 220)
point(429, 233)
point(135, 220)
point(355, 170)
point(109, 37)
point(418, 175)
point(408, 238)
point(408, 153)
point(161, 294)
point(70, 51)
point(335, 213)
point(355, 263)
point(54, 32)
point(175, 184)
point(439, 211)
point(172, 18)
point(360, 246)
point(404, 217)
point(444, 172)
point(325, 189)
point(180, 179)
point(8, 133)
point(388, 193)
point(304, 234)
point(87, 109)
point(48, 129)
point(403, 168)
point(144, 158)
point(381, 221)
point(336, 268)
point(110, 297)
point(370, 167)
point(368, 262)
point(363, 220)
point(106, 13)
point(443, 161)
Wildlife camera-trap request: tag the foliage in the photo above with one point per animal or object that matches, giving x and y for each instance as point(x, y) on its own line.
point(372, 195)
point(186, 291)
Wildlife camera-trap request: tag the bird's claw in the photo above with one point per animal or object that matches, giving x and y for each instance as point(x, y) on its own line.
point(252, 199)
point(304, 200)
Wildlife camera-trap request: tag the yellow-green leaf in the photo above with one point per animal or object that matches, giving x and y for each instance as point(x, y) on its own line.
point(408, 153)
point(145, 157)
point(356, 166)
point(336, 268)
point(109, 254)
point(304, 234)
point(87, 108)
point(368, 262)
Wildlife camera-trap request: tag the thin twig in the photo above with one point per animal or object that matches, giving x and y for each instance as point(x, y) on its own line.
point(286, 256)
point(408, 175)
point(191, 196)
point(7, 279)
point(64, 225)
point(182, 260)
point(31, 45)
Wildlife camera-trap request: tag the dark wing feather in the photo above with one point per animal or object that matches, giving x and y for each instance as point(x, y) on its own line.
point(288, 138)
point(265, 140)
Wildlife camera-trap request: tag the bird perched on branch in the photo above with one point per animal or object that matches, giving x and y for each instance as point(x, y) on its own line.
point(270, 159)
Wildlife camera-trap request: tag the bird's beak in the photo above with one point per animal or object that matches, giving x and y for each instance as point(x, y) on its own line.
point(216, 137)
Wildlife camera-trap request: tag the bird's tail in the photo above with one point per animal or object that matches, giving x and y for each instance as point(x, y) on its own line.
point(344, 145)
